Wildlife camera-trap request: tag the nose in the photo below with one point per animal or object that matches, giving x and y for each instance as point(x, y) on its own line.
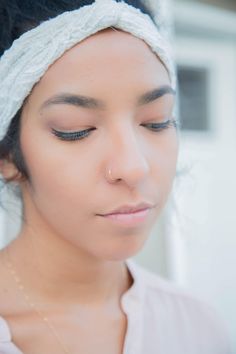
point(128, 160)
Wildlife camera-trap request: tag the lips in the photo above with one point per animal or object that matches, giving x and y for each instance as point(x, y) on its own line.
point(128, 209)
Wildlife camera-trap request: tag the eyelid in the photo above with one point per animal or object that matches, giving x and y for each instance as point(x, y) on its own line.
point(70, 136)
point(79, 135)
point(162, 125)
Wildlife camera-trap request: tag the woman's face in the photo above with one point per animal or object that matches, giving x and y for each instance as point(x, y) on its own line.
point(70, 186)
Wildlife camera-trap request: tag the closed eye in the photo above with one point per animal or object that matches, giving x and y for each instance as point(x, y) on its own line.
point(157, 127)
point(73, 135)
point(79, 135)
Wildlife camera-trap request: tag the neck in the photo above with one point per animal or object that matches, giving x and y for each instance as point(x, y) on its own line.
point(56, 272)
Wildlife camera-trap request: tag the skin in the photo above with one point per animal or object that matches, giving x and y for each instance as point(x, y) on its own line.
point(68, 256)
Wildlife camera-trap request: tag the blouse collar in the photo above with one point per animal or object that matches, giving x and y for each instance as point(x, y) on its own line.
point(132, 303)
point(134, 295)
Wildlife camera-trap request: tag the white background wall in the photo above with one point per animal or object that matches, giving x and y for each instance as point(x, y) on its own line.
point(207, 231)
point(196, 248)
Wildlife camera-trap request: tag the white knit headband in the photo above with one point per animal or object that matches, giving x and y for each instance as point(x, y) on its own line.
point(26, 61)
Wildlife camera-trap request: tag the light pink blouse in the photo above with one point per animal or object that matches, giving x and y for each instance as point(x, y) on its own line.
point(162, 319)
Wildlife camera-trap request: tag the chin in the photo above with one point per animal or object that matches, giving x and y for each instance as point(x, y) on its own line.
point(128, 250)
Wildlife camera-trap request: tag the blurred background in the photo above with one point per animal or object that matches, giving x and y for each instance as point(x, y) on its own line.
point(193, 244)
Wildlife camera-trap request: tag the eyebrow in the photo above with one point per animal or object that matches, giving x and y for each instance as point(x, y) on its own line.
point(93, 103)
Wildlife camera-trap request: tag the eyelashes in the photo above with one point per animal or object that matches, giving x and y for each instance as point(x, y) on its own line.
point(157, 127)
point(79, 135)
point(72, 136)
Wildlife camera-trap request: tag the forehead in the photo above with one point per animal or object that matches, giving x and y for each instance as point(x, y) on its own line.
point(109, 50)
point(109, 63)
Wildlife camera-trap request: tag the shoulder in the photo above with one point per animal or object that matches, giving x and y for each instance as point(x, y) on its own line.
point(180, 311)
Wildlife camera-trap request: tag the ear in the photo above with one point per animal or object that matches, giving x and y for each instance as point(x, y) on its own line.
point(7, 169)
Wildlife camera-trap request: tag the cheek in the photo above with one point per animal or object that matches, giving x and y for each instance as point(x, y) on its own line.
point(60, 192)
point(165, 162)
point(169, 158)
point(59, 174)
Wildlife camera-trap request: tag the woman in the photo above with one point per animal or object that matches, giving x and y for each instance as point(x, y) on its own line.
point(89, 136)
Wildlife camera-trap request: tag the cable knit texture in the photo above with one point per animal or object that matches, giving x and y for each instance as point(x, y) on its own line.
point(26, 61)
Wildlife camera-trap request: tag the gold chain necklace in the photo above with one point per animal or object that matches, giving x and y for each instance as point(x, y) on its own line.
point(30, 303)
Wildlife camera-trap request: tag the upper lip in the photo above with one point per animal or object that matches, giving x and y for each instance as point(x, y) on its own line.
point(126, 209)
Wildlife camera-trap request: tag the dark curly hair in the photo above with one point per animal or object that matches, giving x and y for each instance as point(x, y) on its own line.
point(17, 17)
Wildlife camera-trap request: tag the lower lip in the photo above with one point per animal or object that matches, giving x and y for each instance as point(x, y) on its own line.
point(131, 219)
